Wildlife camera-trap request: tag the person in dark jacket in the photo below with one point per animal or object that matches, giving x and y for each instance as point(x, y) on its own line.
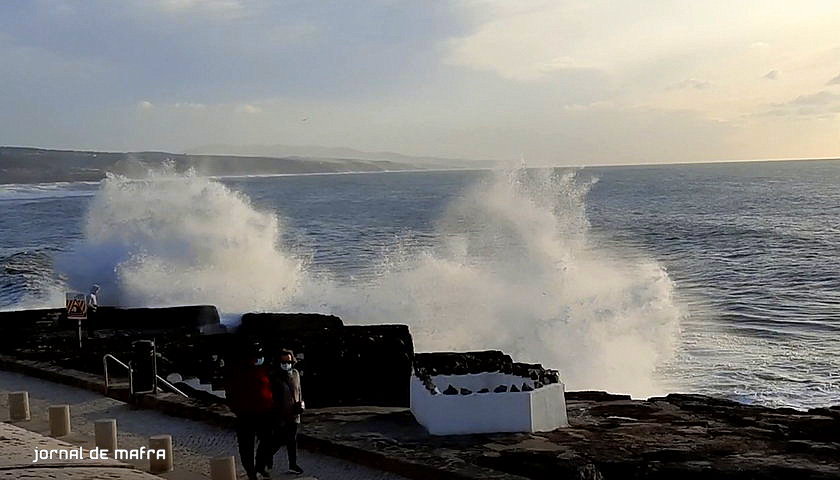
point(250, 397)
point(288, 406)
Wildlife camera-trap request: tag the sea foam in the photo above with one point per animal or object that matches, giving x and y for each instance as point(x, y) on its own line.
point(513, 268)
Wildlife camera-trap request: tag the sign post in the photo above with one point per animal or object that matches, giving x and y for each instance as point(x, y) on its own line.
point(77, 309)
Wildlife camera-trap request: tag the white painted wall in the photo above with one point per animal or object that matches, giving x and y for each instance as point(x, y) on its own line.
point(539, 410)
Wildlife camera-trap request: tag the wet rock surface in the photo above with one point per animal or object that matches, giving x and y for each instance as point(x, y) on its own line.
point(613, 437)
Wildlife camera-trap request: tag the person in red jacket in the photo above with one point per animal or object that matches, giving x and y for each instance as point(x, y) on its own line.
point(249, 396)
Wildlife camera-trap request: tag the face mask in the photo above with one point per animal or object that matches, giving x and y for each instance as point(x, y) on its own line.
point(259, 361)
point(286, 366)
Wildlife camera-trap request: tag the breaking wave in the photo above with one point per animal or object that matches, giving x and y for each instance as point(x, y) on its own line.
point(176, 239)
point(512, 268)
point(515, 270)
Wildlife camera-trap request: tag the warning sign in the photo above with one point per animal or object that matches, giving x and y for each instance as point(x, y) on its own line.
point(76, 306)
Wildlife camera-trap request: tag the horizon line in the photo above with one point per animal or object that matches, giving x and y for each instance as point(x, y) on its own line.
point(526, 165)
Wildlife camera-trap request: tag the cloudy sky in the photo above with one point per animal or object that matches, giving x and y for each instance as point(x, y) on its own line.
point(561, 82)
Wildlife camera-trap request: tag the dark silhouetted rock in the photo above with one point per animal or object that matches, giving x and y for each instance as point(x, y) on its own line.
point(260, 324)
point(450, 391)
point(527, 388)
point(595, 396)
point(484, 390)
point(501, 389)
point(513, 388)
point(463, 363)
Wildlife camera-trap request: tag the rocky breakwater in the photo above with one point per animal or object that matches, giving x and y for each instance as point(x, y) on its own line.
point(48, 336)
point(341, 364)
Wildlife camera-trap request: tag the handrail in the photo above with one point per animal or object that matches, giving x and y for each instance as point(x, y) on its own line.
point(158, 378)
point(107, 377)
point(173, 387)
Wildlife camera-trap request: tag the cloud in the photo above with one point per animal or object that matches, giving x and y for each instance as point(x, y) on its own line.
point(834, 81)
point(691, 83)
point(819, 98)
point(822, 103)
point(771, 75)
point(576, 79)
point(190, 105)
point(248, 108)
point(222, 7)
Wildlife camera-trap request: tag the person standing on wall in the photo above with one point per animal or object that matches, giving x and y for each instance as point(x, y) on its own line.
point(92, 301)
point(285, 382)
point(250, 397)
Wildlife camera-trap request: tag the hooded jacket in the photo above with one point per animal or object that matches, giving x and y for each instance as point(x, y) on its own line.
point(248, 389)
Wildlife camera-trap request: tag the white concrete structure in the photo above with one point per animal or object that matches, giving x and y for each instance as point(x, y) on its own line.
point(539, 410)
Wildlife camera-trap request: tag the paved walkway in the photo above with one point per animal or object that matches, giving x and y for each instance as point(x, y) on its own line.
point(17, 454)
point(193, 442)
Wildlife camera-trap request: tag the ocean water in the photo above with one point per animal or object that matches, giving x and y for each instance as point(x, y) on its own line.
point(720, 279)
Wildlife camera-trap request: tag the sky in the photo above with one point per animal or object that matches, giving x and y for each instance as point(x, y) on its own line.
point(563, 82)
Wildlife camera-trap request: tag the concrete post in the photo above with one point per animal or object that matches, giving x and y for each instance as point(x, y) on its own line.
point(222, 468)
point(105, 434)
point(161, 465)
point(19, 406)
point(59, 420)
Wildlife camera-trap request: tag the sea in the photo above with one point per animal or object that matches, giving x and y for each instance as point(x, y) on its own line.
point(720, 279)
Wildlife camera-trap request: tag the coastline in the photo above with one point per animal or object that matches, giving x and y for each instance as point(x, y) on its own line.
point(611, 436)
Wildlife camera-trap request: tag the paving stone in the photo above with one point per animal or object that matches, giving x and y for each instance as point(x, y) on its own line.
point(193, 442)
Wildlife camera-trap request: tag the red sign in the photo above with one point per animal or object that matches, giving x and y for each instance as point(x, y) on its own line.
point(76, 306)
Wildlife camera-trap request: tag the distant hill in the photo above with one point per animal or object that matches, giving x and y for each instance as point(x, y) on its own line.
point(37, 165)
point(336, 152)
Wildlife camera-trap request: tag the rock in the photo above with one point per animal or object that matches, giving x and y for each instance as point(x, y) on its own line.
point(484, 390)
point(527, 388)
point(500, 389)
point(462, 363)
point(466, 391)
point(450, 391)
point(596, 396)
point(513, 388)
point(342, 365)
point(260, 324)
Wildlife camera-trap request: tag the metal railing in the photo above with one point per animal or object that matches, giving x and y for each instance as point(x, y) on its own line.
point(116, 360)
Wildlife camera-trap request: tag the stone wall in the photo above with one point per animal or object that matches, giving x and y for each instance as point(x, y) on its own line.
point(341, 364)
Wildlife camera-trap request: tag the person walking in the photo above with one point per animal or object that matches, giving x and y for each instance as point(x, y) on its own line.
point(289, 405)
point(250, 397)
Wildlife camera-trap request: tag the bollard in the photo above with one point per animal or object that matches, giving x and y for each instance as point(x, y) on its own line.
point(222, 468)
point(160, 465)
point(105, 434)
point(59, 420)
point(19, 406)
